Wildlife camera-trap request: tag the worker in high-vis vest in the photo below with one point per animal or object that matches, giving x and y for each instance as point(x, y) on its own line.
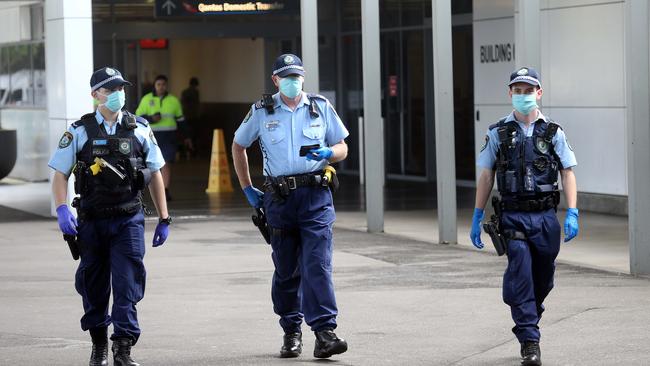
point(165, 116)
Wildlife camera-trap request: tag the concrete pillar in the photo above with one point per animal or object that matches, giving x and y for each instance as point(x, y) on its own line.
point(443, 90)
point(68, 65)
point(528, 44)
point(309, 37)
point(373, 132)
point(637, 48)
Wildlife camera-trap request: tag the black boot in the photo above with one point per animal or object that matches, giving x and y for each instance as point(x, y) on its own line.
point(292, 346)
point(328, 344)
point(99, 355)
point(122, 352)
point(531, 354)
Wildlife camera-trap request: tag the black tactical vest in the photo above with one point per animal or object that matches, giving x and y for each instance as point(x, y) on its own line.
point(527, 167)
point(109, 190)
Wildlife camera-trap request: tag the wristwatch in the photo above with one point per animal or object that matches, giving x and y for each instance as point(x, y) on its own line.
point(167, 221)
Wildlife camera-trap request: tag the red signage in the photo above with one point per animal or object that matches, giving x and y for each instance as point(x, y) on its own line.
point(153, 44)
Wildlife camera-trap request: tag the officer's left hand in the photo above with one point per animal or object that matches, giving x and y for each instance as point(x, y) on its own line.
point(160, 235)
point(571, 227)
point(320, 154)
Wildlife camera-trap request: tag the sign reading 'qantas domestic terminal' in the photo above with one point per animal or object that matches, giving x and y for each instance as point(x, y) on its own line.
point(189, 8)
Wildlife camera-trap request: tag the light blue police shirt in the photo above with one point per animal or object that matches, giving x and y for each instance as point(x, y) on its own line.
point(488, 156)
point(65, 156)
point(282, 133)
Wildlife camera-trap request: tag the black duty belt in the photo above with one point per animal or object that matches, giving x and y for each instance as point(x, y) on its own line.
point(294, 181)
point(114, 211)
point(540, 204)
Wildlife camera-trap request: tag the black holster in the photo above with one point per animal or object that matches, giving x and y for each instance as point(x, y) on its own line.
point(259, 220)
point(494, 229)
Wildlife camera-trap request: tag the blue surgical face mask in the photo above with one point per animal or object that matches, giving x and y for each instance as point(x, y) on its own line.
point(290, 87)
point(115, 101)
point(524, 103)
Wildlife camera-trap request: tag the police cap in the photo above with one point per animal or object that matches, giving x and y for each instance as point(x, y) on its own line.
point(108, 78)
point(288, 64)
point(526, 75)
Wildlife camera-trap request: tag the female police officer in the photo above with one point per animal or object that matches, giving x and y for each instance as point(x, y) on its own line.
point(527, 150)
point(298, 207)
point(115, 156)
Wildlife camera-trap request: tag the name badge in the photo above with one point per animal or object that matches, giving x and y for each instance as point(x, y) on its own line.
point(272, 126)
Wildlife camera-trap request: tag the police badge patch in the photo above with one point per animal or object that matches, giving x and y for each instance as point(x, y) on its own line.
point(248, 116)
point(485, 143)
point(66, 140)
point(125, 147)
point(542, 145)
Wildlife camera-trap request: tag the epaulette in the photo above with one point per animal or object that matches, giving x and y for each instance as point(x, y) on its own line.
point(551, 130)
point(80, 122)
point(317, 96)
point(259, 104)
point(313, 107)
point(495, 125)
point(142, 121)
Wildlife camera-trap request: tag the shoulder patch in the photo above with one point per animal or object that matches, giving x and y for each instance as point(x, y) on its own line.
point(485, 143)
point(248, 115)
point(65, 140)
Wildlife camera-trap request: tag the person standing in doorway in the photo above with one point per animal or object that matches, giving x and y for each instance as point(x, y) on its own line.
point(165, 116)
point(191, 102)
point(527, 150)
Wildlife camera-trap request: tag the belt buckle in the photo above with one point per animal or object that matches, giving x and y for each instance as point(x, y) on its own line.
point(291, 183)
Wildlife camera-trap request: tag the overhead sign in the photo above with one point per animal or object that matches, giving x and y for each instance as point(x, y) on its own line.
point(189, 8)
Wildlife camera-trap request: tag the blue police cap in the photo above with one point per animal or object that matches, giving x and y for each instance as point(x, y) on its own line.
point(525, 75)
point(108, 78)
point(288, 64)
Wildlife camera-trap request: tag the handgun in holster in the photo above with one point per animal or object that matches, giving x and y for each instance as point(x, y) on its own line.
point(73, 244)
point(259, 220)
point(492, 229)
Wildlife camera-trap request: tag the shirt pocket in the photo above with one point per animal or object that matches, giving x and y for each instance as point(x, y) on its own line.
point(314, 131)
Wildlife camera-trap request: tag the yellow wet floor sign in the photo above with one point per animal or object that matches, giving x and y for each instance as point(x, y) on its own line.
point(219, 178)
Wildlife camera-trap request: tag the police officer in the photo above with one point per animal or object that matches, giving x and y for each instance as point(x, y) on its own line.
point(165, 116)
point(527, 150)
point(298, 206)
point(115, 156)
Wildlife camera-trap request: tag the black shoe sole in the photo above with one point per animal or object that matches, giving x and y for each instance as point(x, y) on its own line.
point(336, 350)
point(531, 363)
point(290, 354)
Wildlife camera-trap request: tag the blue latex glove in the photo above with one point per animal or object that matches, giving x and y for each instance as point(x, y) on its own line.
point(319, 154)
point(475, 234)
point(571, 227)
point(254, 196)
point(67, 221)
point(160, 235)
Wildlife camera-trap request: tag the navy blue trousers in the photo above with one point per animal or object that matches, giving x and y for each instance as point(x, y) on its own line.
point(302, 254)
point(531, 266)
point(112, 255)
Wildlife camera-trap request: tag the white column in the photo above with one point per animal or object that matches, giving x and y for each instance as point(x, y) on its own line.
point(373, 131)
point(527, 34)
point(309, 39)
point(68, 65)
point(443, 89)
point(637, 48)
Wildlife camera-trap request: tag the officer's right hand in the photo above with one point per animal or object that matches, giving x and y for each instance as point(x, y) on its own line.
point(254, 196)
point(475, 234)
point(67, 221)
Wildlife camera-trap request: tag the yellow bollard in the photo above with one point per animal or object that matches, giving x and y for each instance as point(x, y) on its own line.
point(219, 178)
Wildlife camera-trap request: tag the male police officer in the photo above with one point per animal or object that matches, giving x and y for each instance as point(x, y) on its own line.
point(298, 205)
point(165, 115)
point(115, 156)
point(527, 150)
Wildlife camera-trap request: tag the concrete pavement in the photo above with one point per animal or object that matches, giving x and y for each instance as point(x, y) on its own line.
point(401, 301)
